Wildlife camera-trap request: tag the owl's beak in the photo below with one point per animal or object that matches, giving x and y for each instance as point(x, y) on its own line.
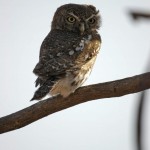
point(82, 28)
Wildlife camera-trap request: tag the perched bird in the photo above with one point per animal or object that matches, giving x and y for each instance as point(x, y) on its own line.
point(69, 51)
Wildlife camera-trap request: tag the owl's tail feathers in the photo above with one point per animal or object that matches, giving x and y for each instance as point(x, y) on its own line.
point(39, 81)
point(43, 90)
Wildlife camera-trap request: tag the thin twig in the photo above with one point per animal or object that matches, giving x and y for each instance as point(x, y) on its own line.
point(140, 116)
point(138, 15)
point(139, 128)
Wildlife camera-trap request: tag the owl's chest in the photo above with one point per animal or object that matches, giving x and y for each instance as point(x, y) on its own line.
point(81, 75)
point(87, 48)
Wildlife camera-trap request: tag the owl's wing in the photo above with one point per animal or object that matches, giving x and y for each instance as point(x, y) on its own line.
point(55, 66)
point(58, 53)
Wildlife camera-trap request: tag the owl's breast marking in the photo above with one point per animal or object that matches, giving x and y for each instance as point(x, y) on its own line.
point(71, 52)
point(84, 40)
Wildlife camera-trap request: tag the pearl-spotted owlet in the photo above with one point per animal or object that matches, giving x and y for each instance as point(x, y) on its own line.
point(69, 51)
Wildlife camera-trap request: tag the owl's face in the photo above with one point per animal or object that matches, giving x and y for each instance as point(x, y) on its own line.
point(76, 18)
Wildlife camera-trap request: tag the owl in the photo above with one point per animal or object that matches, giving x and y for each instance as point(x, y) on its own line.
point(69, 51)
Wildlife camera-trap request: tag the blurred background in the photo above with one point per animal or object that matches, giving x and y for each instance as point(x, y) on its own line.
point(106, 124)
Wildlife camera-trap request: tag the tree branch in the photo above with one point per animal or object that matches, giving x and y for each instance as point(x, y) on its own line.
point(92, 92)
point(137, 15)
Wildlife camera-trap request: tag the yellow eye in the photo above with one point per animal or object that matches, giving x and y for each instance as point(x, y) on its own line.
point(91, 21)
point(71, 19)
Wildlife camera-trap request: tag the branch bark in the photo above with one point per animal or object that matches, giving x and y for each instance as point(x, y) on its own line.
point(87, 93)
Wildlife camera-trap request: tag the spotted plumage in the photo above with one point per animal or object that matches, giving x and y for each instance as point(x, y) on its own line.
point(68, 52)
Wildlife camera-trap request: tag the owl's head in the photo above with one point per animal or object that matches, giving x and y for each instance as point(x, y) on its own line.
point(76, 18)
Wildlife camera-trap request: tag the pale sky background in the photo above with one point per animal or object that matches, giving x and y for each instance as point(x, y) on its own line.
point(106, 124)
